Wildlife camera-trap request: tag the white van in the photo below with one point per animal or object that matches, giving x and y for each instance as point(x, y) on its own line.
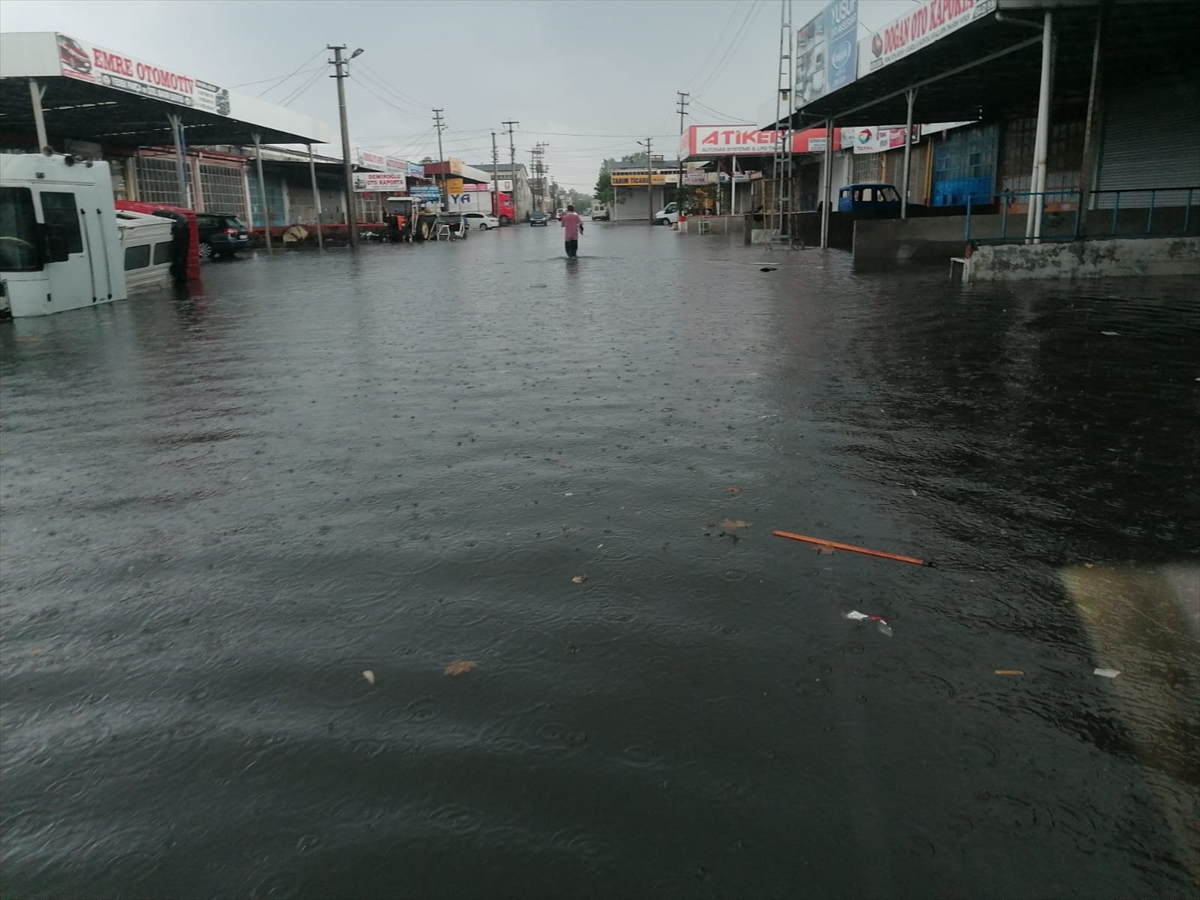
point(599, 212)
point(668, 215)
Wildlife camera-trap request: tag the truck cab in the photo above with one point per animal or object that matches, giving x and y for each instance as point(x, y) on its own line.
point(872, 196)
point(59, 244)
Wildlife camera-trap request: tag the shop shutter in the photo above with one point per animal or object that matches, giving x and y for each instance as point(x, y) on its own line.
point(1150, 141)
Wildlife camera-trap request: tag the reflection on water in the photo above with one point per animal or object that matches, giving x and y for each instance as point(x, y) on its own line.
point(220, 511)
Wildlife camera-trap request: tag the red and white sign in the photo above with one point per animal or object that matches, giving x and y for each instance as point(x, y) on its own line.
point(84, 61)
point(467, 188)
point(927, 23)
point(722, 140)
point(379, 182)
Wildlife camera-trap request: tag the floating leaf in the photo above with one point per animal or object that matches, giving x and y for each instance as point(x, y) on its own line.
point(579, 579)
point(460, 667)
point(368, 676)
point(735, 524)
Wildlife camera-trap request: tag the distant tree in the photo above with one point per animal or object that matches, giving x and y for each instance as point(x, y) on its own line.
point(603, 192)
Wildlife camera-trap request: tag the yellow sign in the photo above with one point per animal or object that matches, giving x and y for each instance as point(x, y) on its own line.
point(635, 180)
point(454, 185)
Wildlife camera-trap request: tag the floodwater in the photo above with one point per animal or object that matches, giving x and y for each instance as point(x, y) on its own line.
point(535, 500)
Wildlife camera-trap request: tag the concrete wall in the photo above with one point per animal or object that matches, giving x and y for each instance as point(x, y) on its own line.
point(1113, 258)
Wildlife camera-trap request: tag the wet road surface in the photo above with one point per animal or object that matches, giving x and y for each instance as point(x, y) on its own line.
point(219, 512)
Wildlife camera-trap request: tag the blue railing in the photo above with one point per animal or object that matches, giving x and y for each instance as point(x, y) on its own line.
point(1129, 212)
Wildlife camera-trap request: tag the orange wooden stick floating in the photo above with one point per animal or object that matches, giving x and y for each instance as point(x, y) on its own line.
point(824, 543)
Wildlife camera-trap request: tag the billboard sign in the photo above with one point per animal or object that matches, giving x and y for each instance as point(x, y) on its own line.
point(635, 179)
point(379, 181)
point(927, 23)
point(426, 192)
point(84, 61)
point(827, 51)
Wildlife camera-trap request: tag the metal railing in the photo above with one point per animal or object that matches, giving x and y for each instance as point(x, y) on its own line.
point(1070, 214)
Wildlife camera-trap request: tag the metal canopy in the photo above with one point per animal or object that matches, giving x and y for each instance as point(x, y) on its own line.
point(79, 105)
point(90, 112)
point(1144, 40)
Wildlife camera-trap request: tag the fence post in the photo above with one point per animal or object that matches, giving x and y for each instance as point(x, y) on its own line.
point(1150, 214)
point(1004, 219)
point(1078, 212)
point(1187, 212)
point(968, 218)
point(1116, 210)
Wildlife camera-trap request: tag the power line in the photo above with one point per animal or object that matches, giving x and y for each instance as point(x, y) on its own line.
point(728, 56)
point(718, 113)
point(720, 34)
point(277, 79)
point(384, 100)
point(395, 91)
point(303, 89)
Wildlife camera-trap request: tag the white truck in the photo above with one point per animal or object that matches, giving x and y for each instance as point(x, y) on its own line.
point(59, 244)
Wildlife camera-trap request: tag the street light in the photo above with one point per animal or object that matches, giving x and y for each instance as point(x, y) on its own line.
point(341, 72)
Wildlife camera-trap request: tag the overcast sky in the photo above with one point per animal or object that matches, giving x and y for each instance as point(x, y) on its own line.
point(587, 77)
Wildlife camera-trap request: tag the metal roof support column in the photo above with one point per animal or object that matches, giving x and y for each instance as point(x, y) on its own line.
point(910, 95)
point(828, 184)
point(262, 191)
point(1087, 165)
point(180, 171)
point(1037, 181)
point(36, 93)
point(312, 172)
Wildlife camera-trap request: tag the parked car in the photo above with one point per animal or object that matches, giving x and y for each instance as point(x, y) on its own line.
point(222, 234)
point(538, 218)
point(481, 221)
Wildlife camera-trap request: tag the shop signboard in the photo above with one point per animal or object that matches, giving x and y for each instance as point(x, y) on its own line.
point(84, 61)
point(506, 185)
point(467, 188)
point(827, 51)
point(929, 22)
point(379, 182)
point(877, 139)
point(721, 140)
point(637, 179)
point(693, 177)
point(426, 192)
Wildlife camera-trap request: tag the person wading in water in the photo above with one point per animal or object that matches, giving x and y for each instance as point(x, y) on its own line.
point(574, 227)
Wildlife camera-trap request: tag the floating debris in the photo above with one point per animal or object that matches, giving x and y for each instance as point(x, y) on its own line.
point(460, 667)
point(1107, 673)
point(579, 579)
point(368, 676)
point(880, 622)
point(1009, 672)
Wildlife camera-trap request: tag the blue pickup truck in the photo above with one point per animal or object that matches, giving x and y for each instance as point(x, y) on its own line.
point(869, 196)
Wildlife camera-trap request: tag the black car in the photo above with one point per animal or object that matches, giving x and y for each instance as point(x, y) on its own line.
point(538, 218)
point(222, 234)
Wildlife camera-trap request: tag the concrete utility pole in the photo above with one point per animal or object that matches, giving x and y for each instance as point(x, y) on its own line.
point(512, 159)
point(683, 104)
point(543, 180)
point(340, 72)
point(495, 180)
point(439, 124)
point(649, 178)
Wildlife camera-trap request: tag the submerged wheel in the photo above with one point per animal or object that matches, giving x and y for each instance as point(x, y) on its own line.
point(206, 250)
point(424, 231)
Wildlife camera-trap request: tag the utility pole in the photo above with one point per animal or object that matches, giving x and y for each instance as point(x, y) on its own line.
point(649, 178)
point(512, 159)
point(495, 180)
point(439, 124)
point(341, 66)
point(683, 104)
point(543, 183)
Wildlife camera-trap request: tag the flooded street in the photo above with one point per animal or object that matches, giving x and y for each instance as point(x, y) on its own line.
point(535, 500)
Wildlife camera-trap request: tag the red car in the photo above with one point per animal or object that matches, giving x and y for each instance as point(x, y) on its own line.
point(73, 56)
